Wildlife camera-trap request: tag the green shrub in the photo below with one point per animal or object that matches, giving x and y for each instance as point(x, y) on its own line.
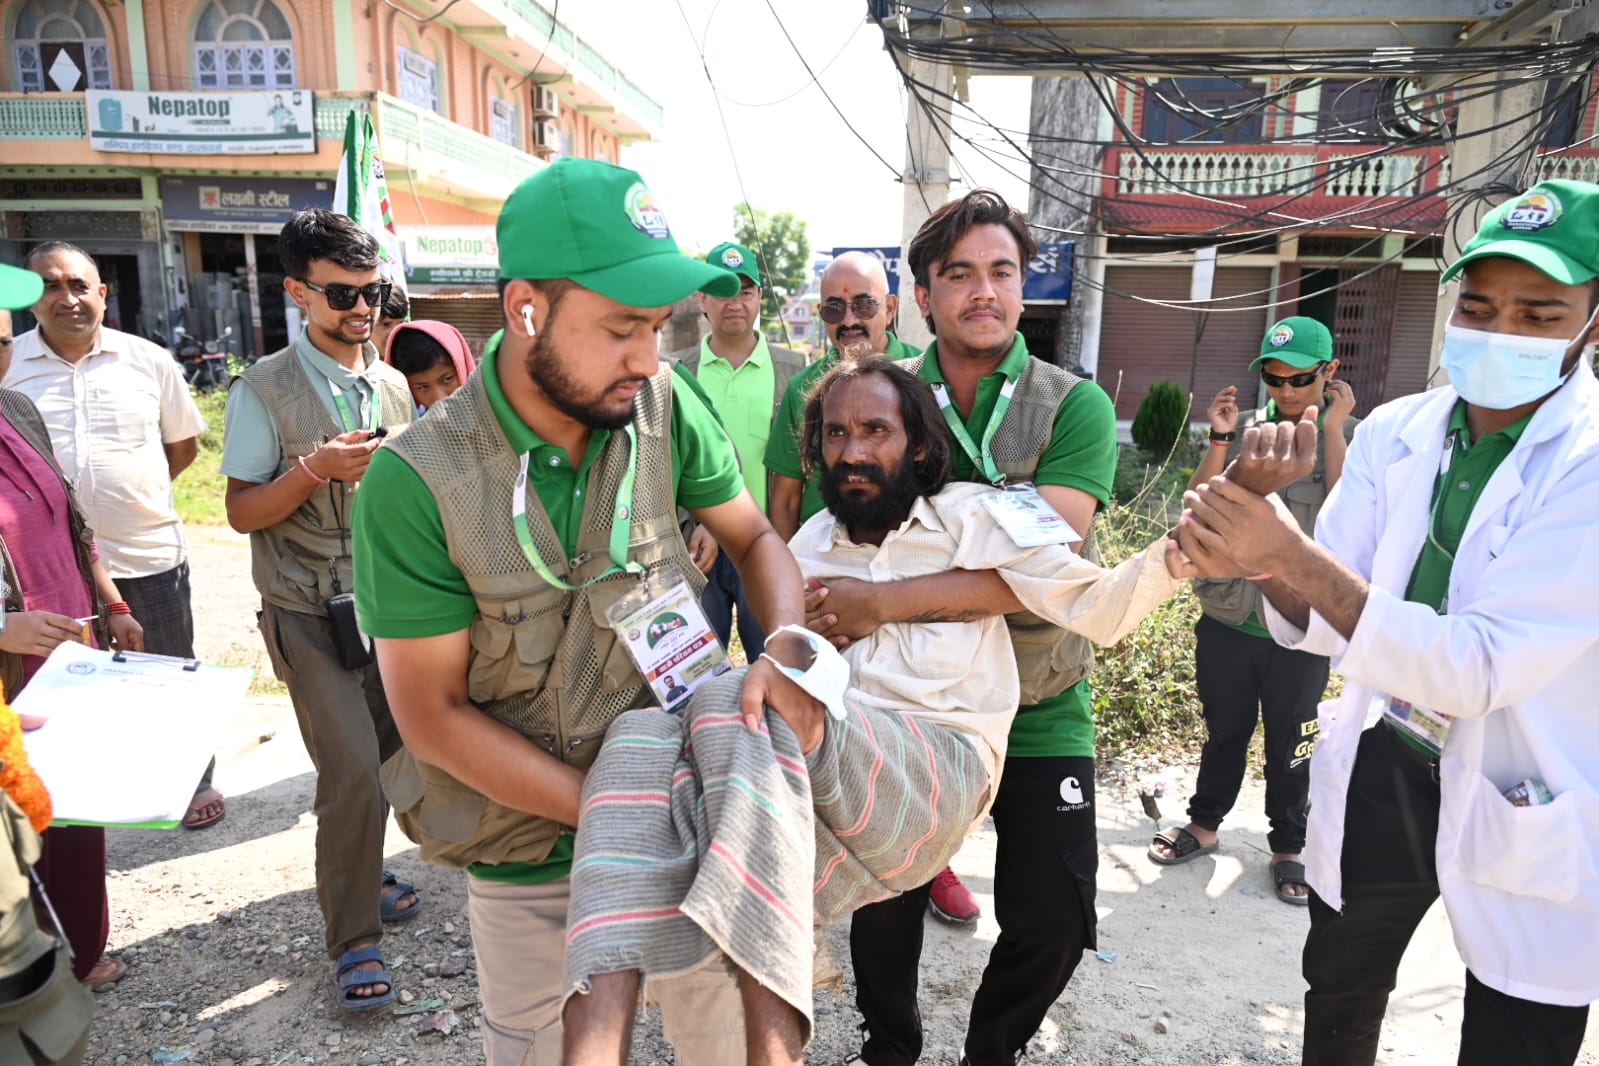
point(1143, 688)
point(198, 492)
point(1162, 419)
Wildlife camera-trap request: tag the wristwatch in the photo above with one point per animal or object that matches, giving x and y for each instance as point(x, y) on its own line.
point(1224, 438)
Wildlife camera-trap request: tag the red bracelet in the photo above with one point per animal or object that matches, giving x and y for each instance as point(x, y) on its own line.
point(119, 607)
point(312, 474)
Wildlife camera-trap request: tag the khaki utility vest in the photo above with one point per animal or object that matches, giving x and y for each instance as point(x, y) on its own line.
point(786, 363)
point(544, 661)
point(1233, 600)
point(1049, 659)
point(297, 562)
point(25, 419)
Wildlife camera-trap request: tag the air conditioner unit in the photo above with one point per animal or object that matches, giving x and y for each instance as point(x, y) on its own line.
point(546, 137)
point(545, 103)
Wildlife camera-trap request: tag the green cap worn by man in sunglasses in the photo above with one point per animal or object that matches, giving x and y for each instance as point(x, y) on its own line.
point(491, 539)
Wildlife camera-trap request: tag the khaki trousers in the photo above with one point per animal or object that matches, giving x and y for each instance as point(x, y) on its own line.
point(519, 935)
point(348, 732)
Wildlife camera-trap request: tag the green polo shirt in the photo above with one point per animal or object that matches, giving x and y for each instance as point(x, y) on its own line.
point(783, 448)
point(743, 396)
point(1081, 454)
point(407, 585)
point(1454, 495)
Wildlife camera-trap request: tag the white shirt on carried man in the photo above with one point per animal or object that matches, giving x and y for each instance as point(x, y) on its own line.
point(109, 415)
point(963, 674)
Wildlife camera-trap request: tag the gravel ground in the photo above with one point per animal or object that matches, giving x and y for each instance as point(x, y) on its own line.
point(220, 930)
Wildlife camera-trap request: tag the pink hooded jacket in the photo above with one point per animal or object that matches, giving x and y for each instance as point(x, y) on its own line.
point(447, 335)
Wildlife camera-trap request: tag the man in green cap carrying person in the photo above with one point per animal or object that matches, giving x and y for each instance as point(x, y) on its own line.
point(745, 379)
point(1243, 675)
point(1451, 580)
point(494, 538)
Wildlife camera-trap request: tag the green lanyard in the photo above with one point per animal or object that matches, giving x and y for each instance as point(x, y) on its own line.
point(621, 528)
point(346, 416)
point(982, 459)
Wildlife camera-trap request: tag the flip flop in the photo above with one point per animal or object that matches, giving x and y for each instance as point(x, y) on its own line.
point(1289, 872)
point(394, 890)
point(196, 818)
point(1184, 845)
point(351, 977)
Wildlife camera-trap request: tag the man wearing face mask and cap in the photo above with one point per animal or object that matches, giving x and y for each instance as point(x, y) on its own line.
point(1451, 583)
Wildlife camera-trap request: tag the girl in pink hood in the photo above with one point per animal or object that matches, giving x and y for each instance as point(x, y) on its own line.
point(434, 358)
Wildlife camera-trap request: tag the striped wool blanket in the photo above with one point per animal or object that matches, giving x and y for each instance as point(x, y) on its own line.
point(697, 836)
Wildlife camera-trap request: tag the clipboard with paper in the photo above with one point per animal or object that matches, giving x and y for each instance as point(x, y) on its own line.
point(126, 735)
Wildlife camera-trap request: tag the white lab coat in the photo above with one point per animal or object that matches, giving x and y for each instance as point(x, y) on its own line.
point(1516, 660)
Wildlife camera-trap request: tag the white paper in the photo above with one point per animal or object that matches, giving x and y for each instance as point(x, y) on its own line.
point(125, 742)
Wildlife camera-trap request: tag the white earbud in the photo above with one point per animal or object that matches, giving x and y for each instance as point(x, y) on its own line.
point(527, 317)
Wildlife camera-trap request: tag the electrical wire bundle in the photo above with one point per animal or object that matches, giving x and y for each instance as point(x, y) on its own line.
point(1403, 120)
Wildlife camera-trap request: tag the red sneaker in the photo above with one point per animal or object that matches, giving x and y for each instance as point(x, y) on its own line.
point(953, 901)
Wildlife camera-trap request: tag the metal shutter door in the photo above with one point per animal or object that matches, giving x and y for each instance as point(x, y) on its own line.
point(477, 317)
point(1411, 348)
point(1143, 343)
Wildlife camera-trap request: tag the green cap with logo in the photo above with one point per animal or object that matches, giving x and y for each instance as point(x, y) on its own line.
point(1298, 341)
point(598, 225)
point(737, 258)
point(19, 288)
point(1553, 226)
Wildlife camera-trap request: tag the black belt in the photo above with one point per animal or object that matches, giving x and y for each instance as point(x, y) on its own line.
point(1421, 757)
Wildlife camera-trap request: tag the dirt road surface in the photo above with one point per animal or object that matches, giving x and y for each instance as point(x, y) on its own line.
point(223, 940)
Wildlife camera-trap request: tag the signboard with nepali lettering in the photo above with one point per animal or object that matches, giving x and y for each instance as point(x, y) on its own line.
point(260, 122)
point(204, 203)
point(450, 255)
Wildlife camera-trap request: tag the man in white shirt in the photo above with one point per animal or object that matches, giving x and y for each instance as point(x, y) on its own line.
point(123, 425)
point(906, 764)
point(1451, 583)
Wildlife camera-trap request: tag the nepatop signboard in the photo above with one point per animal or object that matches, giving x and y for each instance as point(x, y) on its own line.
point(258, 122)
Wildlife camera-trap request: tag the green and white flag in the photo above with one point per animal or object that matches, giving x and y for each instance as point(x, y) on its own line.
point(361, 192)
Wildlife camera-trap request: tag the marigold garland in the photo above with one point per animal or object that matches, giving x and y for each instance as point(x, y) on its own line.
point(16, 776)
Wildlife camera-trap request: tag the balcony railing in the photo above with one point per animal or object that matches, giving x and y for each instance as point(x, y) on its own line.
point(1229, 172)
point(408, 137)
point(43, 117)
point(1571, 165)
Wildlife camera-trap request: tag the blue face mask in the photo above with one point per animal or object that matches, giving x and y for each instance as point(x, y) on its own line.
point(1503, 370)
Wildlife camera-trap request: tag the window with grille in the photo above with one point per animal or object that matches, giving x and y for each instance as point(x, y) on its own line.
point(1202, 111)
point(60, 46)
point(504, 124)
point(419, 80)
point(243, 44)
point(1350, 111)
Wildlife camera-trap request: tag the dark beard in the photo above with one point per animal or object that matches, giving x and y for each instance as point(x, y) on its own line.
point(544, 367)
point(887, 510)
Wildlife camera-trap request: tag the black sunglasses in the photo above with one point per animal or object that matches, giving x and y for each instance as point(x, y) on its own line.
point(1298, 381)
point(342, 297)
point(832, 311)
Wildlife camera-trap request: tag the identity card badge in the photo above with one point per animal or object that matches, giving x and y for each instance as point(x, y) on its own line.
point(1429, 728)
point(1028, 517)
point(666, 632)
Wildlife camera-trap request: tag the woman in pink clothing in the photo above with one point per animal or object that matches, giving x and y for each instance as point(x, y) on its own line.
point(51, 578)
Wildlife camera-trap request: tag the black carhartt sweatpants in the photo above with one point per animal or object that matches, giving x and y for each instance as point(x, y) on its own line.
point(1242, 679)
point(1044, 866)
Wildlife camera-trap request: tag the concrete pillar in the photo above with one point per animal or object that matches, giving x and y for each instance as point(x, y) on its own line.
point(926, 177)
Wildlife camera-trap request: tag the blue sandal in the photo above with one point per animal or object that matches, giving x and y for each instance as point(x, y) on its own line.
point(394, 890)
point(351, 977)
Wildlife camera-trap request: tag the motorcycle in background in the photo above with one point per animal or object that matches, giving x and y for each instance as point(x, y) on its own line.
point(204, 364)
